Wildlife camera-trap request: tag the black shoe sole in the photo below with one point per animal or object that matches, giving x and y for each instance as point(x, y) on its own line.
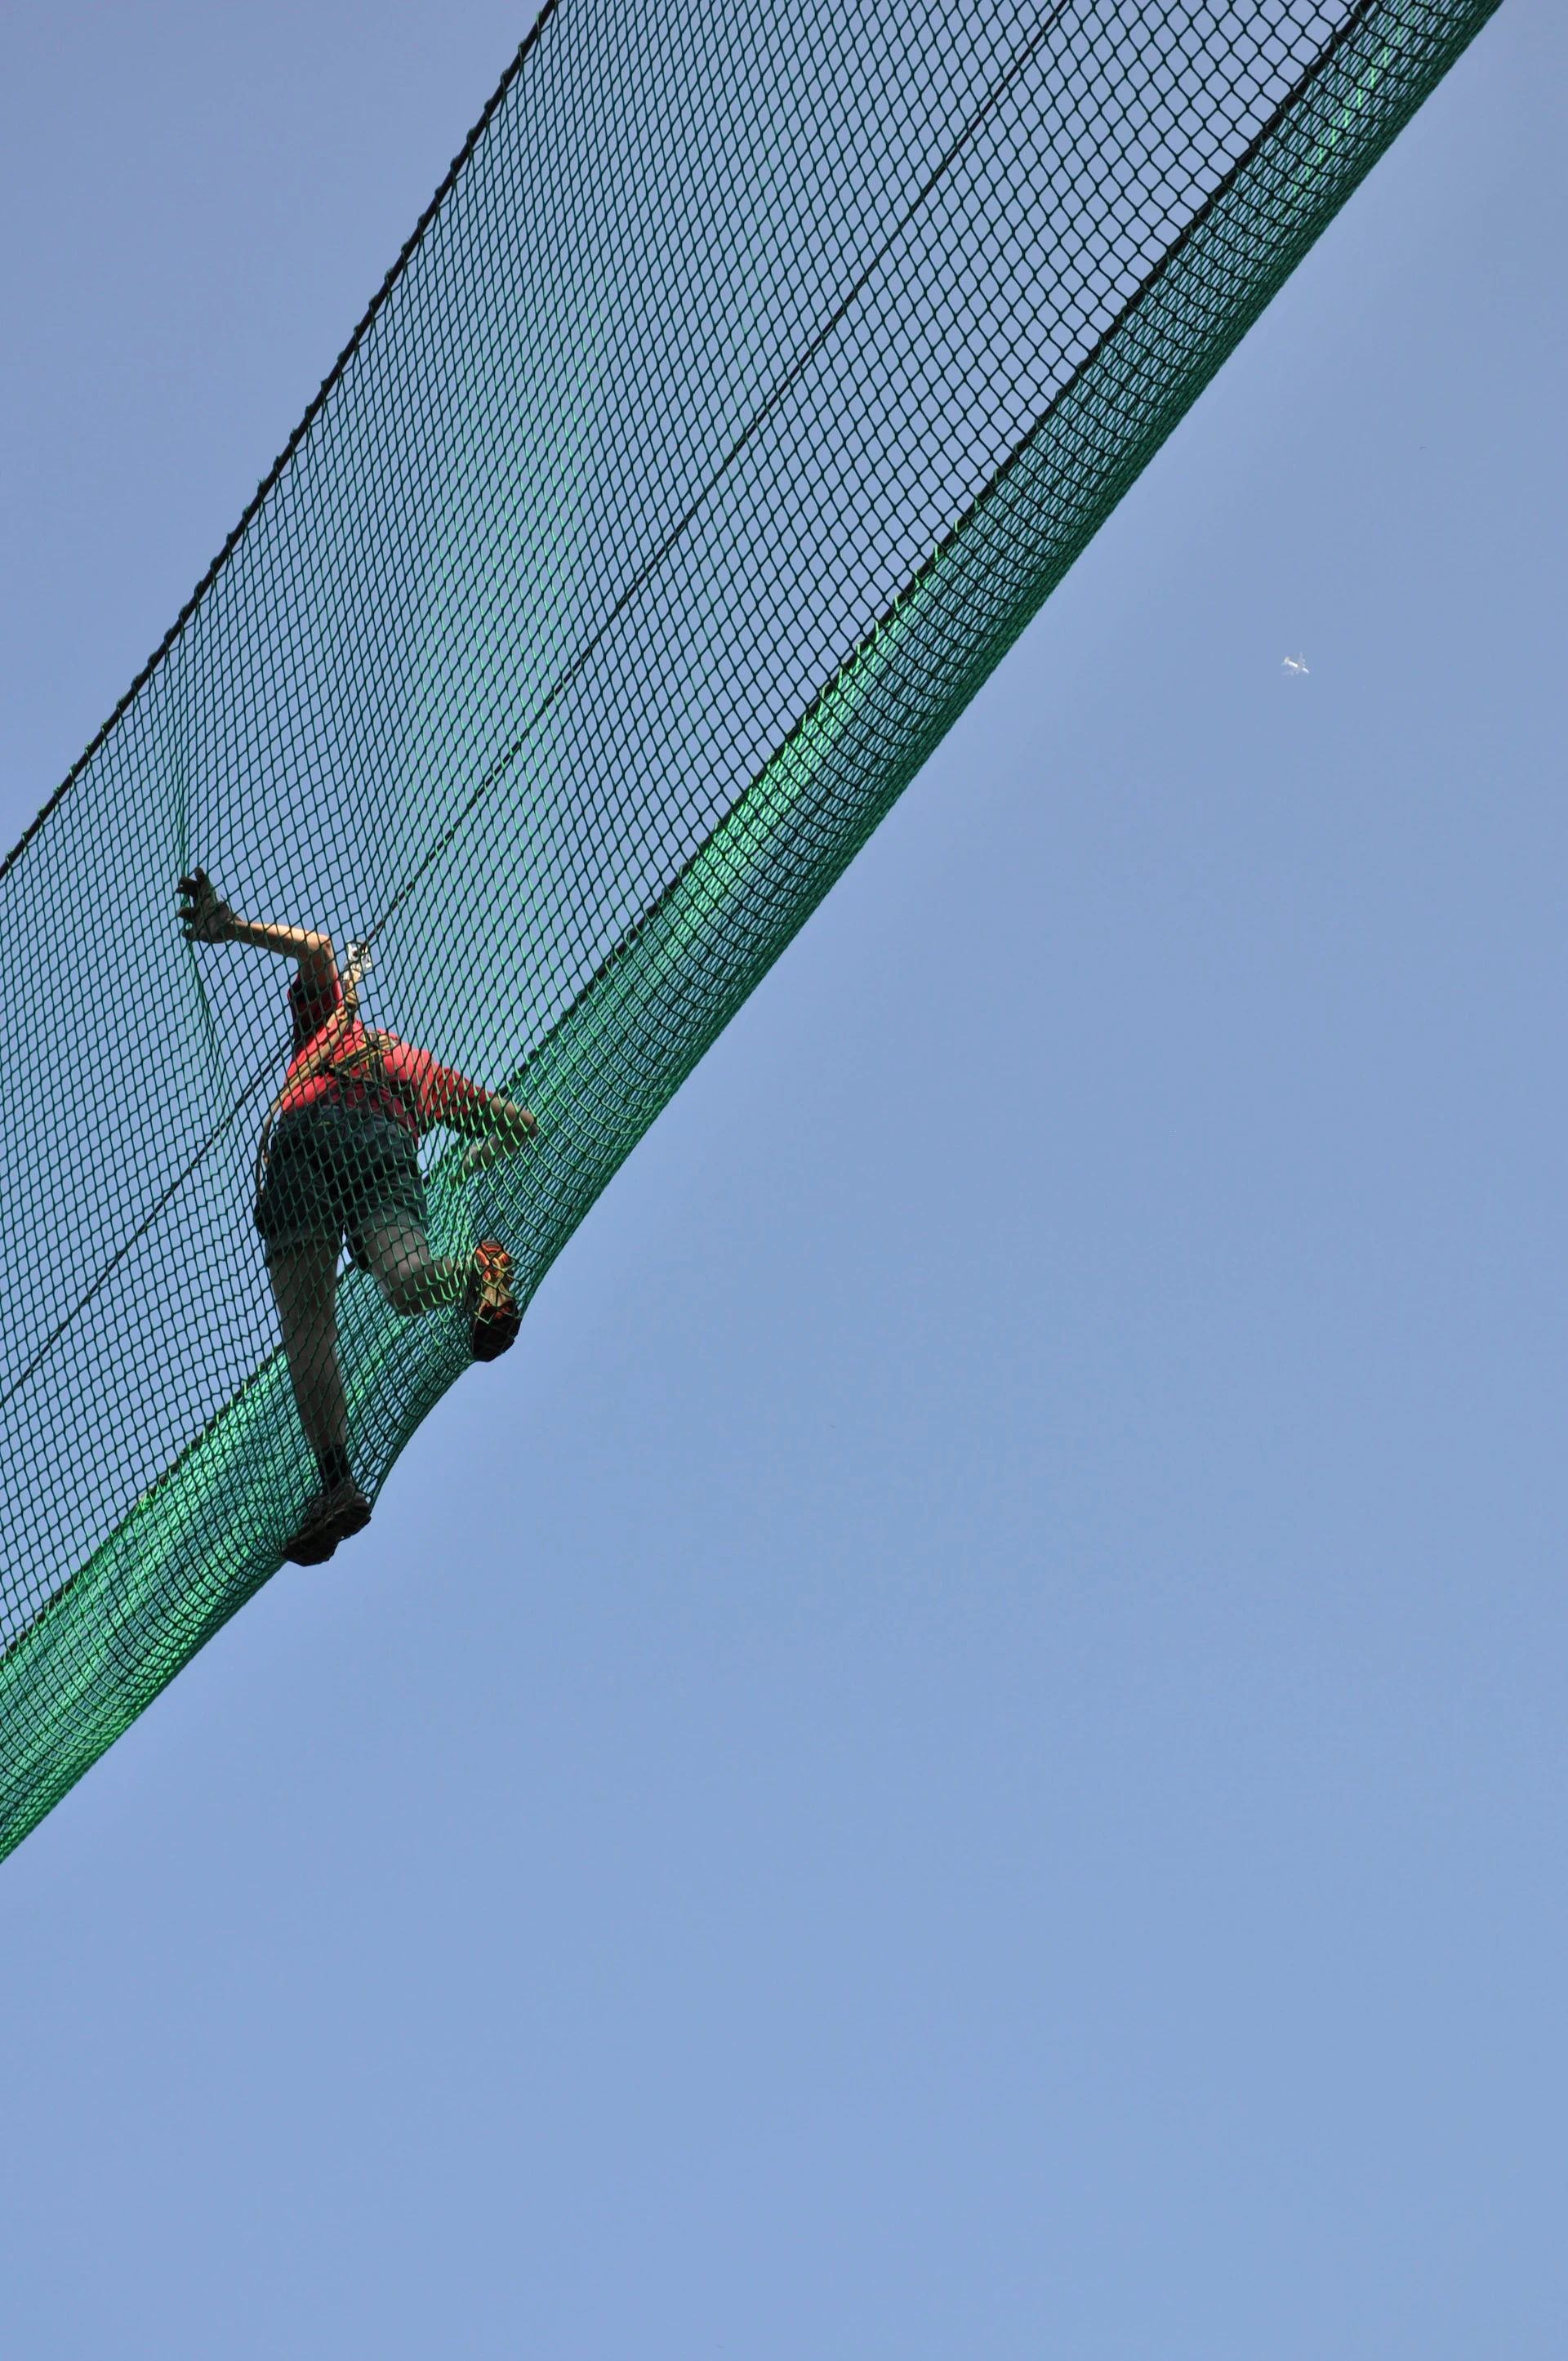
point(494, 1334)
point(315, 1547)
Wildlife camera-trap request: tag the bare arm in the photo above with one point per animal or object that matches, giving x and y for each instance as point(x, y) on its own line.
point(207, 918)
point(495, 1126)
point(508, 1126)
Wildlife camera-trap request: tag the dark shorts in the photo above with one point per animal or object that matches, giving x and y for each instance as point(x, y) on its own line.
point(334, 1172)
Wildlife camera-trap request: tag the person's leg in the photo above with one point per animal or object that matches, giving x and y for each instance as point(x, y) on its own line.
point(304, 1283)
point(411, 1280)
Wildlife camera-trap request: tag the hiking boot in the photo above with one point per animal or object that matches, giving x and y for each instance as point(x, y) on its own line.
point(493, 1316)
point(330, 1517)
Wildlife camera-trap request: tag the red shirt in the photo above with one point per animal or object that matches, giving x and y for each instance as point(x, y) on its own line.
point(359, 1068)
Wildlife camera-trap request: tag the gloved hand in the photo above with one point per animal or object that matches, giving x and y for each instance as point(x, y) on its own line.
point(204, 916)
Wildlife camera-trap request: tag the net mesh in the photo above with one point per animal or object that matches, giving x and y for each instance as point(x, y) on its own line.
point(754, 375)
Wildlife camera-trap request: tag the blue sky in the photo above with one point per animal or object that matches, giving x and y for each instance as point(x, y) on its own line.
point(962, 1752)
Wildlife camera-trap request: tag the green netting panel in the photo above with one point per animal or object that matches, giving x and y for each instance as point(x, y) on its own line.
point(754, 377)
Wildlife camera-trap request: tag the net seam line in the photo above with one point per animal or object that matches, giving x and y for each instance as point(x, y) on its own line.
point(1359, 13)
point(753, 427)
point(159, 1206)
point(656, 558)
point(274, 474)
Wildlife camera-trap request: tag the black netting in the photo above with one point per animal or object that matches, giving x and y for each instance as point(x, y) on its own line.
point(752, 380)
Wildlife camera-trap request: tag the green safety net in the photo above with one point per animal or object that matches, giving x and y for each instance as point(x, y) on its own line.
point(755, 373)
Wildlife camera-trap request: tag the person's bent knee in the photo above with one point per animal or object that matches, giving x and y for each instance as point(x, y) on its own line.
point(404, 1292)
point(410, 1287)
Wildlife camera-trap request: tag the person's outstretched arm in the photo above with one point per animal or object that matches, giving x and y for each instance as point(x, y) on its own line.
point(507, 1126)
point(494, 1124)
point(207, 918)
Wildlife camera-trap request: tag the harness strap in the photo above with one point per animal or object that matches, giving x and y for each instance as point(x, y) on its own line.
point(365, 1059)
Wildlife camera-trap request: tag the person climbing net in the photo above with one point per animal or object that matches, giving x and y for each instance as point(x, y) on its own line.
point(339, 1160)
